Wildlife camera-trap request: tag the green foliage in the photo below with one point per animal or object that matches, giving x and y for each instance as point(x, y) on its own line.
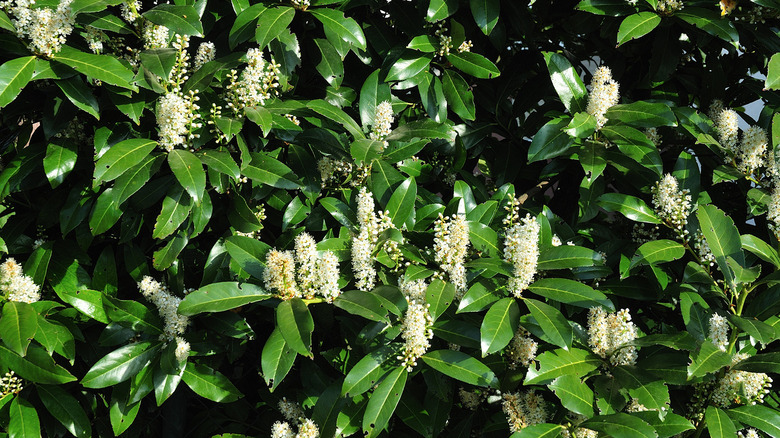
point(389, 218)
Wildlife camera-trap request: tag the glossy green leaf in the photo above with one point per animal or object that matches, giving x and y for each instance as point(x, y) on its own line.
point(132, 314)
point(485, 13)
point(23, 419)
point(263, 169)
point(121, 157)
point(80, 95)
point(37, 366)
point(711, 22)
point(424, 43)
point(102, 67)
point(648, 390)
point(642, 114)
point(276, 360)
point(176, 207)
point(294, 320)
point(541, 430)
point(271, 23)
point(66, 409)
point(474, 64)
point(707, 360)
point(383, 402)
point(346, 28)
point(567, 83)
point(760, 248)
point(370, 369)
point(401, 204)
point(248, 253)
point(181, 19)
point(552, 322)
point(629, 206)
point(478, 298)
point(218, 297)
point(620, 425)
point(582, 125)
point(461, 366)
point(772, 81)
point(570, 292)
point(719, 425)
point(189, 172)
point(761, 417)
point(499, 325)
point(567, 257)
point(440, 9)
point(164, 257)
point(210, 384)
point(559, 362)
point(330, 66)
point(421, 129)
point(637, 26)
point(575, 395)
point(120, 365)
point(723, 238)
point(550, 141)
point(459, 96)
point(439, 295)
point(658, 251)
point(409, 65)
point(362, 304)
point(88, 302)
point(261, 117)
point(372, 93)
point(134, 179)
point(14, 76)
point(245, 25)
point(18, 324)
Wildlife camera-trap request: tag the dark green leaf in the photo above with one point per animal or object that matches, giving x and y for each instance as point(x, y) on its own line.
point(210, 384)
point(499, 325)
point(401, 204)
point(620, 426)
point(556, 363)
point(183, 20)
point(176, 207)
point(294, 320)
point(575, 395)
point(478, 298)
point(567, 257)
point(474, 64)
point(102, 67)
point(642, 114)
point(461, 366)
point(367, 372)
point(570, 292)
point(440, 9)
point(189, 172)
point(346, 28)
point(271, 23)
point(14, 76)
point(88, 302)
point(710, 22)
point(637, 25)
point(457, 92)
point(439, 295)
point(218, 297)
point(120, 365)
point(121, 157)
point(263, 169)
point(566, 81)
point(719, 424)
point(66, 409)
point(409, 65)
point(383, 402)
point(486, 13)
point(18, 324)
point(761, 417)
point(80, 95)
point(362, 304)
point(36, 367)
point(23, 422)
point(550, 141)
point(276, 359)
point(630, 206)
point(707, 360)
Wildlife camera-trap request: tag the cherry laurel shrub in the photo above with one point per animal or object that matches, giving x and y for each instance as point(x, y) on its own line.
point(460, 218)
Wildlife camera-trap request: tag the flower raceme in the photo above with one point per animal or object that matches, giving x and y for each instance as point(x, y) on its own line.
point(451, 245)
point(167, 305)
point(302, 273)
point(45, 28)
point(604, 94)
point(370, 226)
point(608, 332)
point(672, 204)
point(15, 285)
point(521, 250)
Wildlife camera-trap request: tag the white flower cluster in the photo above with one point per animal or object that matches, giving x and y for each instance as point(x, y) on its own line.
point(521, 250)
point(130, 10)
point(667, 7)
point(47, 29)
point(306, 429)
point(370, 226)
point(445, 40)
point(10, 384)
point(470, 399)
point(706, 257)
point(94, 38)
point(167, 306)
point(17, 286)
point(672, 204)
point(451, 245)
point(465, 46)
point(523, 410)
point(521, 350)
point(741, 387)
point(635, 406)
point(416, 333)
point(155, 36)
point(643, 233)
point(414, 291)
point(333, 170)
point(653, 135)
point(301, 4)
point(303, 273)
point(291, 410)
point(176, 118)
point(749, 433)
point(383, 120)
point(258, 83)
point(206, 53)
point(719, 331)
point(604, 93)
point(752, 149)
point(726, 125)
point(608, 332)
